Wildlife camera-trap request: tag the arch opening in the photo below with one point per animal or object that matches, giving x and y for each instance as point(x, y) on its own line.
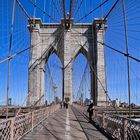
point(81, 79)
point(53, 79)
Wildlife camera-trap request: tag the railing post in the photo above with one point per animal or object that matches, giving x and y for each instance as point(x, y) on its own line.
point(12, 129)
point(103, 120)
point(32, 121)
point(94, 114)
point(125, 121)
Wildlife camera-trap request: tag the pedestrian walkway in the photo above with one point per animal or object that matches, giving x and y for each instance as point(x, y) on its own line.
point(64, 125)
point(91, 131)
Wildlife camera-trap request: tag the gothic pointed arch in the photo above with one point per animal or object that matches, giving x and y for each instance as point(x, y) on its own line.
point(49, 52)
point(84, 51)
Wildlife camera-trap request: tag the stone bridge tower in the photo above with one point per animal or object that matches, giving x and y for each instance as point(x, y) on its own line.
point(67, 40)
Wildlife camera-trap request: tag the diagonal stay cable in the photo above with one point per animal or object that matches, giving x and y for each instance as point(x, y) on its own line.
point(98, 79)
point(71, 8)
point(60, 38)
point(52, 44)
point(59, 3)
point(125, 54)
point(16, 54)
point(43, 11)
point(95, 73)
point(78, 8)
point(49, 70)
point(64, 10)
point(74, 7)
point(22, 51)
point(56, 8)
point(114, 5)
point(51, 77)
point(92, 10)
point(82, 77)
point(25, 12)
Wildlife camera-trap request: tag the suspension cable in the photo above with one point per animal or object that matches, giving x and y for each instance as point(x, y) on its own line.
point(9, 54)
point(105, 91)
point(43, 11)
point(78, 8)
point(24, 50)
point(71, 8)
point(116, 50)
point(64, 10)
point(25, 12)
point(127, 53)
point(92, 10)
point(111, 10)
point(60, 7)
point(83, 75)
point(56, 8)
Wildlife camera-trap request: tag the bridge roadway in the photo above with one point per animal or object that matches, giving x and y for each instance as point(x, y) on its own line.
point(65, 124)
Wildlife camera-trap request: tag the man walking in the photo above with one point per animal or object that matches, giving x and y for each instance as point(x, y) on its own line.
point(90, 110)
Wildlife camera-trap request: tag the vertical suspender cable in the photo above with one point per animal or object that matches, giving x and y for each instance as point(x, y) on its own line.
point(35, 9)
point(64, 11)
point(127, 55)
point(101, 9)
point(71, 8)
point(9, 54)
point(44, 11)
point(90, 5)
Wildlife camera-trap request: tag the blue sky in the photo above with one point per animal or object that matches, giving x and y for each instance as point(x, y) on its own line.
point(115, 63)
point(115, 37)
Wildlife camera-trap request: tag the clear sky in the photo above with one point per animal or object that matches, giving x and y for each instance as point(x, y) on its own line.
point(116, 67)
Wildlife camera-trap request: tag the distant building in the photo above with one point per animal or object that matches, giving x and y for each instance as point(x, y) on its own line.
point(124, 105)
point(133, 105)
point(116, 103)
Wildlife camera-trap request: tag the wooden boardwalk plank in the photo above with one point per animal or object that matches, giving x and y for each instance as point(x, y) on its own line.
point(90, 130)
point(63, 125)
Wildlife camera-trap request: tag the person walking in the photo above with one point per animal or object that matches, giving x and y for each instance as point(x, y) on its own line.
point(90, 110)
point(64, 104)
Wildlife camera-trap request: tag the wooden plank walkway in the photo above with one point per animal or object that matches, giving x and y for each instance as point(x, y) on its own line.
point(91, 130)
point(64, 125)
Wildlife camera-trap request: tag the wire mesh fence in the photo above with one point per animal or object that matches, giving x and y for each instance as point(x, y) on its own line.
point(14, 128)
point(120, 128)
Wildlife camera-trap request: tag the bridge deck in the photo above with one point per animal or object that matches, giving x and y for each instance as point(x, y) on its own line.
point(66, 124)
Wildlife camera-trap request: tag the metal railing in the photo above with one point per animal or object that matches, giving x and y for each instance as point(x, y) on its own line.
point(120, 128)
point(16, 127)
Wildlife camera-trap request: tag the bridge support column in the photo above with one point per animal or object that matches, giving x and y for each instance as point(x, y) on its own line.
point(68, 84)
point(67, 67)
point(36, 85)
point(67, 49)
point(100, 76)
point(36, 74)
point(41, 87)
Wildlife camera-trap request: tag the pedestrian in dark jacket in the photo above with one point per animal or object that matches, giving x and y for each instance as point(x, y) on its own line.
point(90, 110)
